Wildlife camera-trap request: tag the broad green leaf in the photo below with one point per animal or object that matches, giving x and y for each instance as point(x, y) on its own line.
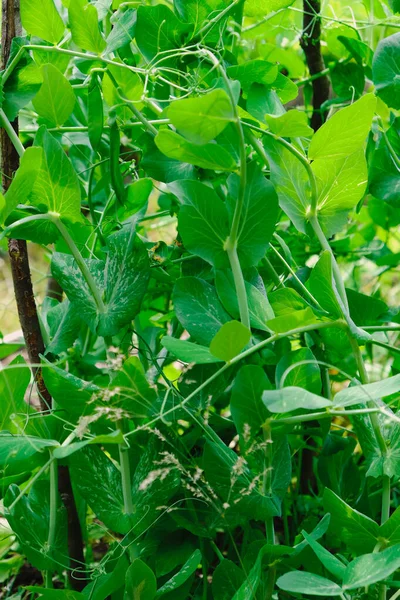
point(230, 340)
point(253, 71)
point(201, 119)
point(293, 398)
point(341, 183)
point(386, 70)
point(287, 322)
point(291, 182)
point(345, 132)
point(188, 351)
point(22, 453)
point(64, 324)
point(62, 452)
point(203, 221)
point(260, 8)
point(182, 576)
point(357, 531)
point(29, 519)
point(83, 21)
point(104, 584)
point(260, 310)
point(140, 582)
point(23, 181)
point(56, 186)
point(198, 308)
point(267, 554)
point(361, 394)
point(291, 124)
point(384, 174)
point(158, 30)
point(321, 285)
point(42, 20)
point(259, 215)
point(198, 12)
point(330, 562)
point(122, 279)
point(247, 408)
point(123, 30)
point(291, 372)
point(55, 100)
point(14, 380)
point(209, 156)
point(301, 582)
point(98, 481)
point(227, 579)
point(348, 80)
point(136, 396)
point(371, 568)
point(286, 301)
point(390, 530)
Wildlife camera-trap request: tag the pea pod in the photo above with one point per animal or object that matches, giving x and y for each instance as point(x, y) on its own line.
point(95, 112)
point(117, 183)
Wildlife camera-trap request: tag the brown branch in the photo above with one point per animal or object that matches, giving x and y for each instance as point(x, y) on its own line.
point(26, 304)
point(311, 43)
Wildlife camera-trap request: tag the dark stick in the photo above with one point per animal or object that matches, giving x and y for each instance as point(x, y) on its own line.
point(311, 44)
point(27, 311)
point(17, 249)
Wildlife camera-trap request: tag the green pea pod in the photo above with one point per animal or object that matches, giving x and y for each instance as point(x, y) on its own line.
point(95, 112)
point(117, 182)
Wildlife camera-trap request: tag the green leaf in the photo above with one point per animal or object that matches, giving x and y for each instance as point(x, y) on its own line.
point(384, 175)
point(247, 408)
point(198, 308)
point(202, 221)
point(301, 582)
point(341, 183)
point(227, 579)
point(357, 531)
point(321, 285)
point(29, 519)
point(50, 594)
point(253, 71)
point(14, 380)
point(62, 452)
point(201, 119)
point(293, 398)
point(23, 181)
point(291, 124)
point(123, 277)
point(83, 21)
point(260, 8)
point(22, 453)
point(291, 182)
point(158, 30)
point(42, 20)
point(137, 397)
point(371, 568)
point(209, 156)
point(390, 530)
point(64, 324)
point(123, 31)
point(55, 100)
point(99, 482)
point(267, 553)
point(361, 394)
point(198, 11)
point(297, 319)
point(286, 301)
point(260, 310)
point(345, 132)
point(183, 574)
point(293, 370)
point(104, 584)
point(330, 562)
point(230, 340)
point(386, 70)
point(140, 582)
point(189, 352)
point(259, 215)
point(56, 186)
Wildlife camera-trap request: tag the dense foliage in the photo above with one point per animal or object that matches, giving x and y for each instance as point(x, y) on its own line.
point(222, 356)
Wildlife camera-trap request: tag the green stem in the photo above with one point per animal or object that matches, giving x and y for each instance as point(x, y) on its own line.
point(140, 117)
point(53, 514)
point(240, 286)
point(126, 480)
point(11, 133)
point(272, 273)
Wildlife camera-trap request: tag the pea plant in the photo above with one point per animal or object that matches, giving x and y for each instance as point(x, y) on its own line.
point(205, 404)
